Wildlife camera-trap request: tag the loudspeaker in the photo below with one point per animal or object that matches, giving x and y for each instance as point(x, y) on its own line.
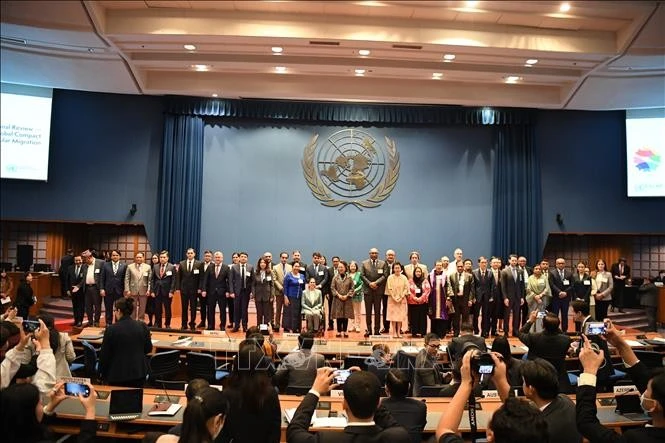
point(24, 256)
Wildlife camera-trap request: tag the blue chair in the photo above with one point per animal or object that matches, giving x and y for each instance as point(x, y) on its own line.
point(200, 365)
point(90, 361)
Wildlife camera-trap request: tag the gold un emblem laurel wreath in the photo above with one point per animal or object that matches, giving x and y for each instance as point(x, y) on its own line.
point(322, 192)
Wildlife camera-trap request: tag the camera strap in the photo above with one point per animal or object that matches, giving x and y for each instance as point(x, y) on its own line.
point(473, 424)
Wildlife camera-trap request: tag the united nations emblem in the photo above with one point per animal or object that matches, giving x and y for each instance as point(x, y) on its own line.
point(351, 168)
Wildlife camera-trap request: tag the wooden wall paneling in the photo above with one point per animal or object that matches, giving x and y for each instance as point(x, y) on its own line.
point(609, 248)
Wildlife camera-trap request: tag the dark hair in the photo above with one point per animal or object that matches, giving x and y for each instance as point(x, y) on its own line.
point(53, 334)
point(346, 265)
point(580, 306)
point(195, 386)
point(18, 418)
point(250, 377)
point(24, 277)
point(518, 421)
point(541, 375)
point(257, 338)
point(431, 336)
point(306, 340)
point(362, 391)
point(502, 346)
point(551, 323)
point(658, 387)
point(258, 265)
point(7, 330)
point(397, 383)
point(467, 260)
point(396, 264)
point(208, 403)
point(125, 305)
point(466, 327)
point(252, 330)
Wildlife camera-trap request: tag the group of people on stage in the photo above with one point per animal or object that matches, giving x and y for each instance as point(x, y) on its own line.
point(396, 297)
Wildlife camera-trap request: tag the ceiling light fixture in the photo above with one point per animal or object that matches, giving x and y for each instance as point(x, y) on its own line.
point(565, 7)
point(201, 68)
point(280, 69)
point(532, 61)
point(437, 75)
point(364, 52)
point(189, 47)
point(360, 72)
point(215, 95)
point(277, 49)
point(512, 79)
point(471, 4)
point(448, 57)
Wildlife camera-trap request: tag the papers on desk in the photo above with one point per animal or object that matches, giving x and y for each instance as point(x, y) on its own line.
point(91, 337)
point(318, 422)
point(633, 343)
point(154, 341)
point(183, 341)
point(410, 349)
point(658, 340)
point(165, 409)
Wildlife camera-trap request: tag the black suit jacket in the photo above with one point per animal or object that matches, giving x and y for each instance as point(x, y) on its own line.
point(485, 286)
point(557, 285)
point(122, 357)
point(113, 284)
point(323, 280)
point(512, 289)
point(219, 284)
point(409, 413)
point(73, 279)
point(616, 272)
point(560, 418)
point(551, 347)
point(456, 345)
point(65, 263)
point(386, 429)
point(97, 273)
point(165, 284)
point(581, 287)
point(189, 282)
point(235, 279)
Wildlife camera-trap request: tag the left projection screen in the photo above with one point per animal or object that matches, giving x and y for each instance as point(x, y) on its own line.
point(26, 128)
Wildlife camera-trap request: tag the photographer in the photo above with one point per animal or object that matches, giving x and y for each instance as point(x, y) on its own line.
point(516, 421)
point(652, 389)
point(481, 363)
point(581, 315)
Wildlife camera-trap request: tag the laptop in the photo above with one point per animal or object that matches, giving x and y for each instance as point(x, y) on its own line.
point(126, 404)
point(629, 407)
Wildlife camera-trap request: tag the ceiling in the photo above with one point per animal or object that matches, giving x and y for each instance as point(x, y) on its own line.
point(596, 55)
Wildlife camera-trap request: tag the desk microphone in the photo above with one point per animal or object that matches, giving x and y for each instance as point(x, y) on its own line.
point(227, 335)
point(166, 392)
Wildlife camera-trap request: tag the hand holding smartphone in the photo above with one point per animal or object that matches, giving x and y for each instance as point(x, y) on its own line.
point(74, 389)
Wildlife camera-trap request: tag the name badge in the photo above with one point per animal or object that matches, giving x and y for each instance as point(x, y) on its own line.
point(587, 282)
point(145, 274)
point(379, 271)
point(417, 290)
point(169, 273)
point(300, 281)
point(321, 273)
point(97, 271)
point(247, 274)
point(268, 278)
point(196, 271)
point(565, 281)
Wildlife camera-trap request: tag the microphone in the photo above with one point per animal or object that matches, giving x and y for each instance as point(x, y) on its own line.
point(227, 335)
point(166, 393)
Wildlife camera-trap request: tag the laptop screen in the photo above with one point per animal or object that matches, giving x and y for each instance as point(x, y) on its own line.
point(126, 401)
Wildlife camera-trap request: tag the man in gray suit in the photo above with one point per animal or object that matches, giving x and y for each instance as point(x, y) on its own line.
point(92, 273)
point(299, 367)
point(137, 284)
point(240, 290)
point(373, 273)
point(278, 272)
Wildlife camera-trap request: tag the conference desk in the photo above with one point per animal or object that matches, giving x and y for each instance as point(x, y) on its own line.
point(70, 411)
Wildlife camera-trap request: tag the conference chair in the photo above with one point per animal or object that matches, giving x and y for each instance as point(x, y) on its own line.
point(355, 360)
point(430, 391)
point(163, 367)
point(200, 365)
point(297, 390)
point(651, 359)
point(90, 361)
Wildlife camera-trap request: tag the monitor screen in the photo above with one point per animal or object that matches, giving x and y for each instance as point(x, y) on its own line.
point(645, 152)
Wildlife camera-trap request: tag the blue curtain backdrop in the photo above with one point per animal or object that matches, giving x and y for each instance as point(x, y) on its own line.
point(180, 185)
point(517, 211)
point(516, 206)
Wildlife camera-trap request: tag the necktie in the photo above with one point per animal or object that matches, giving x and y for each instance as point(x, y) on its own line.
point(242, 274)
point(374, 264)
point(115, 268)
point(161, 271)
point(514, 274)
point(216, 271)
point(284, 269)
point(189, 266)
point(78, 271)
point(620, 269)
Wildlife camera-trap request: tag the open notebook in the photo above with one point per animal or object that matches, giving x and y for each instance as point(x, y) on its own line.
point(319, 422)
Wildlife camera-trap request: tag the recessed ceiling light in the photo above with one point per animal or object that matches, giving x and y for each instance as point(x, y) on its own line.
point(364, 52)
point(215, 95)
point(471, 4)
point(201, 67)
point(448, 57)
point(532, 61)
point(190, 47)
point(565, 7)
point(437, 75)
point(512, 79)
point(280, 69)
point(360, 72)
point(277, 49)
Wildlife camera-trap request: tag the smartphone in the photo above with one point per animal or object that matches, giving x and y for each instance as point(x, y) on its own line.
point(74, 389)
point(341, 376)
point(595, 328)
point(30, 326)
point(541, 314)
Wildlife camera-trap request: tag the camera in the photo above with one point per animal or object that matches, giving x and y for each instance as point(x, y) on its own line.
point(341, 376)
point(30, 326)
point(541, 314)
point(482, 363)
point(74, 389)
point(595, 328)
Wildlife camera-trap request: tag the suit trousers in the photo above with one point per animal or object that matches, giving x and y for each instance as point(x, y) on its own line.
point(263, 312)
point(150, 308)
point(203, 307)
point(461, 315)
point(384, 307)
point(516, 309)
point(330, 303)
point(241, 308)
point(163, 303)
point(373, 301)
point(78, 305)
point(489, 315)
point(217, 299)
point(93, 304)
point(601, 309)
point(418, 318)
point(109, 302)
point(140, 302)
point(524, 313)
point(475, 313)
point(188, 309)
point(440, 327)
point(560, 305)
point(292, 320)
point(279, 305)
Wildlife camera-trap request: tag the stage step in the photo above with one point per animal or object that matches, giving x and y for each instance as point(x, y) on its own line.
point(631, 318)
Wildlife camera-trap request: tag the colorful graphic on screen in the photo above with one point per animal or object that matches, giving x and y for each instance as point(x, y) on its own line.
point(646, 160)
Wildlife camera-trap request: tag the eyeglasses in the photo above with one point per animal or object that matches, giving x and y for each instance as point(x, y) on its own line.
point(433, 346)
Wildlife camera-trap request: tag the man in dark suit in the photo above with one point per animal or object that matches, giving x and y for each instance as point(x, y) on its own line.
point(550, 344)
point(188, 282)
point(202, 302)
point(456, 345)
point(527, 270)
point(240, 283)
point(462, 293)
point(321, 274)
point(161, 289)
point(65, 262)
point(92, 272)
point(373, 273)
point(582, 316)
point(215, 289)
point(513, 291)
point(361, 398)
point(112, 284)
point(332, 273)
point(485, 299)
point(561, 285)
point(408, 412)
point(76, 289)
point(620, 272)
